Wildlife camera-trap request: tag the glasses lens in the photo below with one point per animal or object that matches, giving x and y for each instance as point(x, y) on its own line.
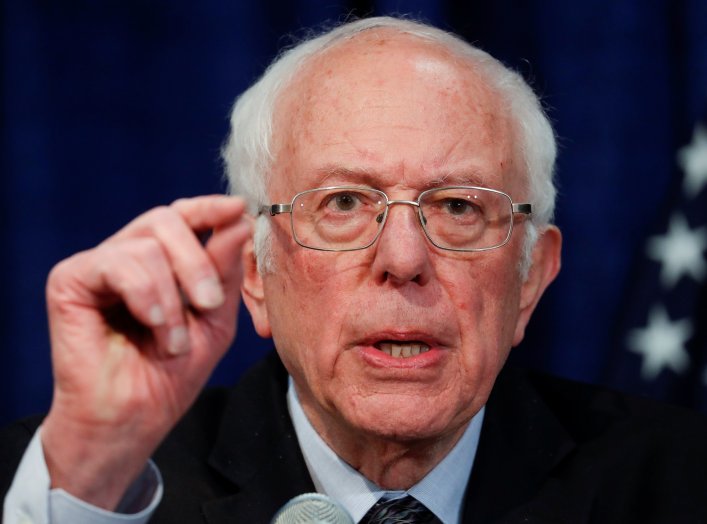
point(338, 218)
point(466, 218)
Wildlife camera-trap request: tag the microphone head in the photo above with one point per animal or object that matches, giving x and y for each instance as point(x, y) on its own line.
point(312, 508)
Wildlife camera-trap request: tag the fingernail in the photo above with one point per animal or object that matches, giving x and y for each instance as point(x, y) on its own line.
point(178, 341)
point(209, 293)
point(156, 315)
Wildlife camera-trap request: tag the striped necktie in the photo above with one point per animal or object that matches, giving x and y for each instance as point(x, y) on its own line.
point(406, 510)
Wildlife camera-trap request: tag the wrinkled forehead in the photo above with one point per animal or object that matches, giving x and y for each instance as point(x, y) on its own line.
point(387, 78)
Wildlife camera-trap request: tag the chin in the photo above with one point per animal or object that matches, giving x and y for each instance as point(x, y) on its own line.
point(409, 420)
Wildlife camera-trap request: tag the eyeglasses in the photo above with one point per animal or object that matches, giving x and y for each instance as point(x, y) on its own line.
point(457, 218)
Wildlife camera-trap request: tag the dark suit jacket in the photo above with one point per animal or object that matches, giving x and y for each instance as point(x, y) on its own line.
point(551, 451)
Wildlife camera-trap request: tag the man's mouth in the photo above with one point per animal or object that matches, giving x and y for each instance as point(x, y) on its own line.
point(402, 349)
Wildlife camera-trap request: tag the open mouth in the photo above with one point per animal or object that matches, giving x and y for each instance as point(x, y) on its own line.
point(402, 349)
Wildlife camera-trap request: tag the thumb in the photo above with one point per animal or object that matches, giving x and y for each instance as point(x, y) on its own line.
point(224, 248)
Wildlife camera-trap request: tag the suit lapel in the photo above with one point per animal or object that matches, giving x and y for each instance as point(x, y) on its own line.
point(257, 451)
point(521, 442)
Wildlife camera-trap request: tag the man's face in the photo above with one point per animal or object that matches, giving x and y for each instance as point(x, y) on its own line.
point(398, 115)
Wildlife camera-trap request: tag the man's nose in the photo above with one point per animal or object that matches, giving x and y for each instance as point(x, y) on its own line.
point(402, 251)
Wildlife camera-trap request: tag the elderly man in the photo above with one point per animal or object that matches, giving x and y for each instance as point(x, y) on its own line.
point(399, 185)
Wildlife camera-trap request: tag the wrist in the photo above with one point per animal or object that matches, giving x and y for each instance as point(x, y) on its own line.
point(93, 463)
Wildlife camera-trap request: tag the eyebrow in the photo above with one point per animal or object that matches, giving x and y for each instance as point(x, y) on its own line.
point(463, 178)
point(342, 175)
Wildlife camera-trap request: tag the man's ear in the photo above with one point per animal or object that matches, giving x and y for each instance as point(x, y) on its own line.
point(546, 259)
point(253, 292)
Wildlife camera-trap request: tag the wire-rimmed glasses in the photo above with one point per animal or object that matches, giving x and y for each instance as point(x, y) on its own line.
point(348, 218)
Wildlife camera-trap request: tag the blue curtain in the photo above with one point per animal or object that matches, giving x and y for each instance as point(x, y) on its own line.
point(112, 107)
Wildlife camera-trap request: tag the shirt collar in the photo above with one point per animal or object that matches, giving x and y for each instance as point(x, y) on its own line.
point(441, 490)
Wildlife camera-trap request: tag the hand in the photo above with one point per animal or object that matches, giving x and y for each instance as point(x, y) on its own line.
point(137, 325)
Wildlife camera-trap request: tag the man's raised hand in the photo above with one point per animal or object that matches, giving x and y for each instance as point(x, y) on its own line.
point(137, 325)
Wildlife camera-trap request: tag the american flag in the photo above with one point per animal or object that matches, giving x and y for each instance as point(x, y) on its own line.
point(661, 339)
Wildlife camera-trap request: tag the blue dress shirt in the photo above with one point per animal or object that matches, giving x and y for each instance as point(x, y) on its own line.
point(441, 490)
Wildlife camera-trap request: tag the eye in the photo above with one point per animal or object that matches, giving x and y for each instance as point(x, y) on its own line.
point(458, 206)
point(344, 201)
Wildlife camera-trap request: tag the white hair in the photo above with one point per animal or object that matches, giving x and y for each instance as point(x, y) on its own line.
point(248, 156)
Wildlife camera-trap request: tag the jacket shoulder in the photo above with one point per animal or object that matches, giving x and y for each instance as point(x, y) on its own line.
point(589, 411)
point(601, 454)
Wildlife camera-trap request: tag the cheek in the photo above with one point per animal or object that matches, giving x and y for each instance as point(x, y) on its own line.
point(486, 300)
point(313, 295)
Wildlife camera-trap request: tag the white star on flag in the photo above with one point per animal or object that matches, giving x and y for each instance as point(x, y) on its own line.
point(661, 343)
point(693, 160)
point(679, 251)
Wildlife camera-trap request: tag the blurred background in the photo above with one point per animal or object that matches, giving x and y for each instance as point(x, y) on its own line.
point(112, 107)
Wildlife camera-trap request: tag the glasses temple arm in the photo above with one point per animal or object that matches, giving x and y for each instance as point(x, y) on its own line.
point(275, 209)
point(525, 209)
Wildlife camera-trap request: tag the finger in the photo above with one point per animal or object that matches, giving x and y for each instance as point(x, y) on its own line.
point(200, 214)
point(234, 227)
point(174, 227)
point(138, 273)
point(188, 260)
point(224, 247)
point(168, 315)
point(209, 212)
point(231, 227)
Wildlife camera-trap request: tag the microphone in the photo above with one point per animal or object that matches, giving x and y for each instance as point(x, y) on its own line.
point(313, 508)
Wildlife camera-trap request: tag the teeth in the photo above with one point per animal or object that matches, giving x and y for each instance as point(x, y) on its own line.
point(402, 350)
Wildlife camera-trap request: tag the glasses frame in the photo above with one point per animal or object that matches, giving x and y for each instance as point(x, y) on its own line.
point(525, 209)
